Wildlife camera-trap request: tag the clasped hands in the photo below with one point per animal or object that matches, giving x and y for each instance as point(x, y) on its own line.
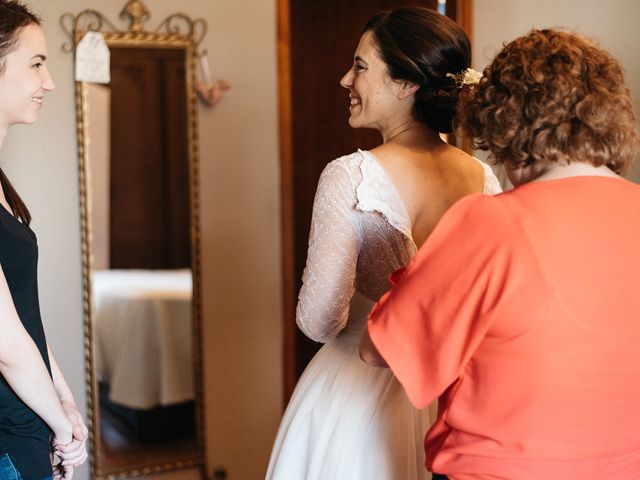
point(68, 449)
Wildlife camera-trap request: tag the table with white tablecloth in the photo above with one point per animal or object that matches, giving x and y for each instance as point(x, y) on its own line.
point(143, 336)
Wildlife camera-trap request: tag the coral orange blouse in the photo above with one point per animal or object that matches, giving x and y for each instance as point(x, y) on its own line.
point(521, 313)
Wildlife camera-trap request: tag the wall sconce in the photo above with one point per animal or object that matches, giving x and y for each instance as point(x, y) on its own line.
point(209, 92)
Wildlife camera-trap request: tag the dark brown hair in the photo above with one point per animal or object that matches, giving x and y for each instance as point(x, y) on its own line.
point(550, 96)
point(421, 46)
point(14, 16)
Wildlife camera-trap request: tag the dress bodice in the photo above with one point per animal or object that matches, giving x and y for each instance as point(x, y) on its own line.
point(360, 233)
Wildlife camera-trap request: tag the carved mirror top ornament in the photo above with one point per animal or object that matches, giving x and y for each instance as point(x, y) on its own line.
point(137, 13)
point(175, 27)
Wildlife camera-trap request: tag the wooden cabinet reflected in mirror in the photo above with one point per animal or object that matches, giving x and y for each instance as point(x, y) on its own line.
point(149, 160)
point(137, 150)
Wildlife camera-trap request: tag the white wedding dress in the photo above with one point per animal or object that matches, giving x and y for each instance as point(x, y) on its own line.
point(347, 420)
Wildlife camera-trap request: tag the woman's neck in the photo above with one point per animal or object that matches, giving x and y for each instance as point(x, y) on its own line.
point(557, 171)
point(412, 134)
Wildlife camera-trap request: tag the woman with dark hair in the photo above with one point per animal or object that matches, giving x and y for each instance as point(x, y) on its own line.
point(347, 420)
point(521, 312)
point(38, 414)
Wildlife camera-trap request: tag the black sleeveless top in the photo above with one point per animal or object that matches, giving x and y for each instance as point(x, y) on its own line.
point(23, 434)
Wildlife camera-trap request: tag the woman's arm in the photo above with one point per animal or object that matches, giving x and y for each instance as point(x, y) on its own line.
point(73, 454)
point(24, 369)
point(66, 398)
point(328, 281)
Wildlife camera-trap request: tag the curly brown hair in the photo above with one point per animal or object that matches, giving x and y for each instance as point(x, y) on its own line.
point(550, 96)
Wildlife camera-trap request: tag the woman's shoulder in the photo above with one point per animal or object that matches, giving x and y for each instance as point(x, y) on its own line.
point(469, 166)
point(341, 177)
point(345, 169)
point(348, 162)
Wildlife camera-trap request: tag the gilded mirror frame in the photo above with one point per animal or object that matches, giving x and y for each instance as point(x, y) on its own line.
point(177, 31)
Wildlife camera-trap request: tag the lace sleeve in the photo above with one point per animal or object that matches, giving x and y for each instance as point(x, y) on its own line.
point(334, 245)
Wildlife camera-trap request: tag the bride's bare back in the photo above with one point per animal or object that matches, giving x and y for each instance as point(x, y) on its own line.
point(429, 180)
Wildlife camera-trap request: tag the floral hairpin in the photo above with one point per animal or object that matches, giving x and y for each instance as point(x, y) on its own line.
point(466, 77)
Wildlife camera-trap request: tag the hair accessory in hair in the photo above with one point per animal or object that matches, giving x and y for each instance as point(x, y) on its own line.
point(466, 77)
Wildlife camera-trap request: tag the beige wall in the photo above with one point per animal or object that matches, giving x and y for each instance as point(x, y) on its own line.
point(499, 21)
point(240, 221)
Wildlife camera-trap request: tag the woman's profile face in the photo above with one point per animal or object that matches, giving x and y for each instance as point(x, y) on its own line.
point(373, 93)
point(25, 78)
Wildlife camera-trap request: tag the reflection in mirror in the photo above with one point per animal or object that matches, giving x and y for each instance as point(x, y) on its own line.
point(138, 174)
point(137, 157)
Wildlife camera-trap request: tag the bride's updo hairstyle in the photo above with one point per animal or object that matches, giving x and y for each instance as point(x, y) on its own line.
point(421, 46)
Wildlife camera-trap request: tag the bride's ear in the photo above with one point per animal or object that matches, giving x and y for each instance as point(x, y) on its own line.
point(407, 89)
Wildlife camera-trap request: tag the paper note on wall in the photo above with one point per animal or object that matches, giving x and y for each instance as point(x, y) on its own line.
point(93, 59)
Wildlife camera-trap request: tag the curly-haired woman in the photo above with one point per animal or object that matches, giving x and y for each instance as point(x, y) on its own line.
point(521, 311)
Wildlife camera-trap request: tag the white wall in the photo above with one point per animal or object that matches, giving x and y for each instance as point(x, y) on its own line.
point(240, 221)
point(241, 232)
point(611, 23)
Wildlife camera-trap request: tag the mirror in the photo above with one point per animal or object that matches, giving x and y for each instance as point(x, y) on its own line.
point(137, 153)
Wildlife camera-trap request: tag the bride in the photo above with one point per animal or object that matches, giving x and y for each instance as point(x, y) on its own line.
point(372, 210)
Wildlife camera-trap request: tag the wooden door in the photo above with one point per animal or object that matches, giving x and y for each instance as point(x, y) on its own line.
point(316, 43)
point(149, 190)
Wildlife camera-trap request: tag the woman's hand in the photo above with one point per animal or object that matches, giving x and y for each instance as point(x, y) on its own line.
point(78, 428)
point(368, 351)
point(61, 472)
point(66, 457)
point(68, 449)
point(72, 453)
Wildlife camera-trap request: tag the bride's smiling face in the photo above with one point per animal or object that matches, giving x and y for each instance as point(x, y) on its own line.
point(373, 93)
